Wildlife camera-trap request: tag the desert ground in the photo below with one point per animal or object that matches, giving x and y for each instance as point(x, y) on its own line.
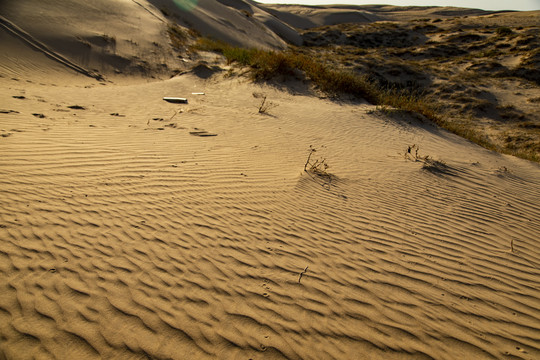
point(306, 227)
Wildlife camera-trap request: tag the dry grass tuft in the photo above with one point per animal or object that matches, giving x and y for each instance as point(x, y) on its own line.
point(318, 167)
point(428, 163)
point(178, 36)
point(264, 106)
point(504, 31)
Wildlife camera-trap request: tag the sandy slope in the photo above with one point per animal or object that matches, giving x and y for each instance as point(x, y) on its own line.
point(123, 235)
point(99, 36)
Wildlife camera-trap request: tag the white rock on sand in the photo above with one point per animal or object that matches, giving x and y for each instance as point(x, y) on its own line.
point(123, 236)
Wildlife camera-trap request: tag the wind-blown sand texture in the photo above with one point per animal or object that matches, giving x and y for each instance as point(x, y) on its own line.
point(125, 234)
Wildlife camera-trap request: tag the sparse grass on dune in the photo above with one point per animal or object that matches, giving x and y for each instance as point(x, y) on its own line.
point(265, 65)
point(177, 36)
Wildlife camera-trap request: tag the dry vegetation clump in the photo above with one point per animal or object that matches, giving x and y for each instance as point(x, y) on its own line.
point(437, 167)
point(264, 64)
point(504, 31)
point(265, 105)
point(529, 68)
point(364, 36)
point(317, 169)
point(318, 166)
point(177, 36)
point(510, 113)
point(181, 37)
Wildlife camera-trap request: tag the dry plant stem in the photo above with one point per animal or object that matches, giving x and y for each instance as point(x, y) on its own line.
point(265, 105)
point(302, 273)
point(262, 108)
point(410, 149)
point(176, 113)
point(311, 151)
point(512, 245)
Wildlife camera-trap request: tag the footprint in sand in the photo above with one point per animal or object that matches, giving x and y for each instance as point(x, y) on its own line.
point(266, 287)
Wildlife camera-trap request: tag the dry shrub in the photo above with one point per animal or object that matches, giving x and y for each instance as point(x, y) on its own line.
point(428, 163)
point(264, 106)
point(317, 167)
point(504, 31)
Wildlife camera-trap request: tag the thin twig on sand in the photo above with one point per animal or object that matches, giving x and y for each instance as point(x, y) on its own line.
point(302, 273)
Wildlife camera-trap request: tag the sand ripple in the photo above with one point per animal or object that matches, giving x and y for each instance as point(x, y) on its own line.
point(121, 240)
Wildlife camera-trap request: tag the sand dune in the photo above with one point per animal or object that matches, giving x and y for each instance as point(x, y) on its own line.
point(125, 235)
point(238, 22)
point(93, 39)
point(305, 17)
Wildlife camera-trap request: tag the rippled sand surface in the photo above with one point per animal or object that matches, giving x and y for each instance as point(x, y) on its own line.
point(125, 236)
point(135, 228)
